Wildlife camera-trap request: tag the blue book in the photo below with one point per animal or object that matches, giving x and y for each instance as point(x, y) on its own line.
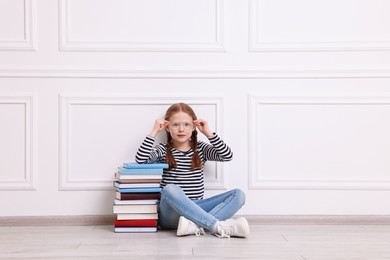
point(146, 166)
point(140, 171)
point(140, 190)
point(119, 185)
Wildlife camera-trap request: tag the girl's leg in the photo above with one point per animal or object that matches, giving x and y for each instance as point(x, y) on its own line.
point(175, 203)
point(225, 205)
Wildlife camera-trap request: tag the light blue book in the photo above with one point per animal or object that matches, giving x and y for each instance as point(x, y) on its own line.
point(132, 165)
point(135, 190)
point(140, 171)
point(136, 185)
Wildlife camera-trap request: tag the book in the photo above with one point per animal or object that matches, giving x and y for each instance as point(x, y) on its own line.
point(136, 223)
point(132, 165)
point(140, 171)
point(127, 216)
point(137, 176)
point(127, 202)
point(137, 196)
point(135, 229)
point(134, 208)
point(136, 185)
point(138, 190)
point(139, 180)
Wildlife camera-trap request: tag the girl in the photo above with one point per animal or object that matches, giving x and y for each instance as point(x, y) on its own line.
point(182, 206)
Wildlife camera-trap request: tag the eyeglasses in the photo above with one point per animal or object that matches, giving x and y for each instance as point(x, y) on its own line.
point(185, 125)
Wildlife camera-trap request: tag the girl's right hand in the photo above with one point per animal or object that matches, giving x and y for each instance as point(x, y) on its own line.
point(159, 125)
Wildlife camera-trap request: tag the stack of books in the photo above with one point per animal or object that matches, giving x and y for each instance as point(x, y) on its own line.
point(137, 196)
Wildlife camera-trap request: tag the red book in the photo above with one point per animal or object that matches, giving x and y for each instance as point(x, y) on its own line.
point(136, 223)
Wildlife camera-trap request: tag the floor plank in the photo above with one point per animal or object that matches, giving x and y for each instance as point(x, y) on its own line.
point(271, 242)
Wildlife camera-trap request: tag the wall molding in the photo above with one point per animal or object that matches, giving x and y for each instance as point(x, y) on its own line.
point(66, 101)
point(135, 46)
point(319, 46)
point(257, 183)
point(190, 73)
point(29, 180)
point(29, 43)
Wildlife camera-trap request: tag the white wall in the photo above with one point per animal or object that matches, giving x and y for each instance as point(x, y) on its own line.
point(298, 89)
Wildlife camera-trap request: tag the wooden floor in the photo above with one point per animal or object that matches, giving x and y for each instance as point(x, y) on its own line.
point(299, 242)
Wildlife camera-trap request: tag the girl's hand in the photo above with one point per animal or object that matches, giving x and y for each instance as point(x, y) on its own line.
point(203, 127)
point(159, 125)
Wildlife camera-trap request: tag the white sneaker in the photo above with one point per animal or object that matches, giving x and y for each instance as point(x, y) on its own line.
point(187, 227)
point(233, 227)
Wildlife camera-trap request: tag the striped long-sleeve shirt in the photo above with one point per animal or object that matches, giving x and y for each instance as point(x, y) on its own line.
point(191, 181)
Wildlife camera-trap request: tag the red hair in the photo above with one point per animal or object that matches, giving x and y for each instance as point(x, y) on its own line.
point(196, 161)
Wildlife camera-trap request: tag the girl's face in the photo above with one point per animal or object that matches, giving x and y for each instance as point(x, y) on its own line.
point(180, 127)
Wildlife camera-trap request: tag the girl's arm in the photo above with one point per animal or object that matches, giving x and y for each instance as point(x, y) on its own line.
point(203, 127)
point(148, 154)
point(217, 151)
point(159, 125)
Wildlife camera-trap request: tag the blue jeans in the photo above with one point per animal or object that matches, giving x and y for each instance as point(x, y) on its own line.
point(205, 212)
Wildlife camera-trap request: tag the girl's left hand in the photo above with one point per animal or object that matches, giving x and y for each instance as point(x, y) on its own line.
point(203, 127)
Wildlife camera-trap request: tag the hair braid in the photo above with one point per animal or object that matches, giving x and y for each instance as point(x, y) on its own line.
point(196, 161)
point(169, 157)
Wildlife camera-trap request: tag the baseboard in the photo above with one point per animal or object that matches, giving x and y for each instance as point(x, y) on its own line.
point(94, 220)
point(318, 219)
point(84, 220)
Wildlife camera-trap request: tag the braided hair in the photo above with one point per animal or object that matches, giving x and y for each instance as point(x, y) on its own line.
point(196, 161)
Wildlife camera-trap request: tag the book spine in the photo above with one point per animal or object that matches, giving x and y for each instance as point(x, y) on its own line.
point(138, 180)
point(136, 185)
point(140, 171)
point(138, 190)
point(135, 229)
point(117, 209)
point(136, 202)
point(120, 176)
point(128, 216)
point(136, 223)
point(138, 196)
point(146, 166)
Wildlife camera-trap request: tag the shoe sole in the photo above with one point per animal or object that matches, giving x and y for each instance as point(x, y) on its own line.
point(246, 226)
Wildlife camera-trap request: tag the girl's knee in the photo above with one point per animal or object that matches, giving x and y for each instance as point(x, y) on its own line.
point(170, 190)
point(240, 195)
